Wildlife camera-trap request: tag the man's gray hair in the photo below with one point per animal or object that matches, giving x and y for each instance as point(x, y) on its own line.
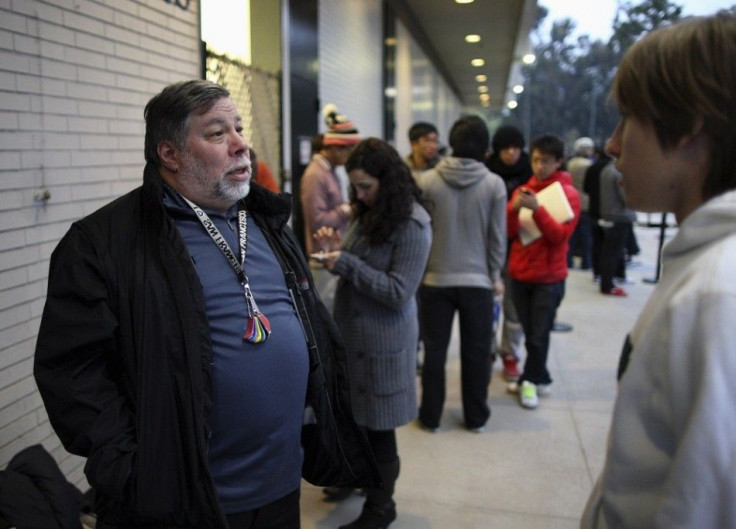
point(167, 113)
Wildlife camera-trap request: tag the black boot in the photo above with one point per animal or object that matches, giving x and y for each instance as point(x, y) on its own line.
point(379, 509)
point(337, 494)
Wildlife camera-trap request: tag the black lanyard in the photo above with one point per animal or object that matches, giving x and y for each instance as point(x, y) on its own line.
point(257, 328)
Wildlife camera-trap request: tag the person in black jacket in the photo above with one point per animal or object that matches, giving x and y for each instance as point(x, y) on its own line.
point(509, 161)
point(182, 348)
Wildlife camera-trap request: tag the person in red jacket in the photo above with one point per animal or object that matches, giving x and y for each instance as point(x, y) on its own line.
point(538, 269)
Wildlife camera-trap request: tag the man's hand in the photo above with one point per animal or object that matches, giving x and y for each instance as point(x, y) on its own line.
point(525, 198)
point(498, 287)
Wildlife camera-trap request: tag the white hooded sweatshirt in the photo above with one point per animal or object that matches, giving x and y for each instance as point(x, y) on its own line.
point(671, 458)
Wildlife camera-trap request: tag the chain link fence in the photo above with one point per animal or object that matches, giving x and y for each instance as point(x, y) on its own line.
point(258, 97)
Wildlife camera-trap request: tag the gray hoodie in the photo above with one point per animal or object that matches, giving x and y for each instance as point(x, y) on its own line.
point(670, 460)
point(467, 204)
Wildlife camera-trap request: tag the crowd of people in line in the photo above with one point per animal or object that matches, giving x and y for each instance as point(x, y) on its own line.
point(186, 315)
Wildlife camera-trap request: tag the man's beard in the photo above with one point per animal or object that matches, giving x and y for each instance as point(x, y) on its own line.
point(222, 190)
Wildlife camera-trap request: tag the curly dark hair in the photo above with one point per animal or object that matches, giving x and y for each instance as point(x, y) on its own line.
point(396, 193)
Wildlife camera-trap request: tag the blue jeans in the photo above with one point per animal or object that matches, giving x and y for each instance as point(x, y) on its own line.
point(437, 309)
point(536, 305)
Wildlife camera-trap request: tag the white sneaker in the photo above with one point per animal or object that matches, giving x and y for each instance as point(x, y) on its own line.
point(544, 390)
point(528, 395)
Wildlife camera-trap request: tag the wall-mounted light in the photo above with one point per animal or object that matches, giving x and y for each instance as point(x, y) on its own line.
point(472, 38)
point(477, 62)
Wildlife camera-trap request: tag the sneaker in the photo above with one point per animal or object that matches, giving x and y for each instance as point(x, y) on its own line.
point(544, 390)
point(512, 387)
point(615, 291)
point(476, 429)
point(528, 395)
point(510, 368)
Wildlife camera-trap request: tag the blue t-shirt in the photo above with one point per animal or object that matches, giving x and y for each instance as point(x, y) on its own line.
point(259, 390)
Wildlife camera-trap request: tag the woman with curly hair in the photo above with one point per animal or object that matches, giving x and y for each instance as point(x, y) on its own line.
point(380, 264)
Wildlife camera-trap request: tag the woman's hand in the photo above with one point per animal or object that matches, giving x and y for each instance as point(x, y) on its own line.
point(326, 239)
point(330, 260)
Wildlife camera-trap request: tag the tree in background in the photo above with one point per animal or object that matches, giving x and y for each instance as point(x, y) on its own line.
point(566, 90)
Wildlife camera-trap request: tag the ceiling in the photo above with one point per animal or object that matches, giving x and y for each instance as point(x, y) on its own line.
point(440, 26)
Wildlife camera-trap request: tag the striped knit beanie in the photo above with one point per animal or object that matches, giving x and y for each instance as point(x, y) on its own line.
point(340, 130)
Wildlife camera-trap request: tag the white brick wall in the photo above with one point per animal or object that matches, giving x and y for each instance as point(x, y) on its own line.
point(74, 78)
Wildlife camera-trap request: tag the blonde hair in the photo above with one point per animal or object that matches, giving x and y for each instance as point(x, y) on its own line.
point(681, 76)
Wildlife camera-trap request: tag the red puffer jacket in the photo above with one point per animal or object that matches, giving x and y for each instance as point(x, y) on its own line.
point(544, 260)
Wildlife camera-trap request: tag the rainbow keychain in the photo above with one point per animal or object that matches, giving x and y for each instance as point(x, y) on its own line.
point(258, 328)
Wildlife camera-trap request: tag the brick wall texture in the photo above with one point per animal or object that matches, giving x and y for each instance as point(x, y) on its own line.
point(74, 78)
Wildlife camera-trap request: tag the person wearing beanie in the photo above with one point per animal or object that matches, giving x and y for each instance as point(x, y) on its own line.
point(581, 242)
point(511, 163)
point(322, 198)
point(508, 159)
point(425, 144)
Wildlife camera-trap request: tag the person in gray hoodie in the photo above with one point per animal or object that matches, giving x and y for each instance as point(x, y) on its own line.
point(670, 453)
point(467, 204)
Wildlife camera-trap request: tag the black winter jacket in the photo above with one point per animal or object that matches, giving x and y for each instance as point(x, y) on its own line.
point(124, 363)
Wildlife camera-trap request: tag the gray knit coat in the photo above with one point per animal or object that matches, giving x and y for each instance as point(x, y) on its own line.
point(377, 315)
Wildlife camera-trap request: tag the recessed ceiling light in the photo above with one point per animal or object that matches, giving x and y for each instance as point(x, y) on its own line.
point(512, 104)
point(481, 78)
point(529, 58)
point(472, 38)
point(477, 62)
point(482, 89)
point(464, 1)
point(485, 97)
point(518, 89)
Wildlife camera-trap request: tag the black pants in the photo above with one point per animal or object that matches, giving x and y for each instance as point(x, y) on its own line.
point(536, 305)
point(582, 239)
point(280, 514)
point(383, 444)
point(596, 246)
point(437, 310)
point(612, 254)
